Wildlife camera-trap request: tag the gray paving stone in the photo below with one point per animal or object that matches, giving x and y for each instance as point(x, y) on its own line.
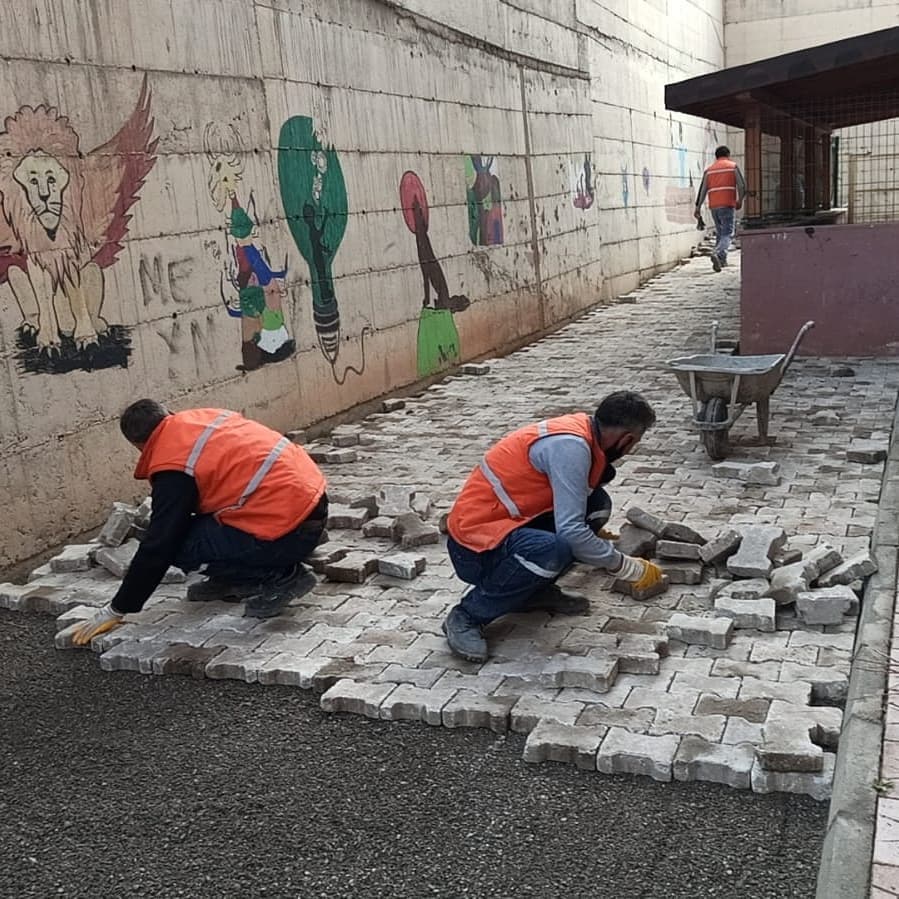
point(818, 785)
point(402, 565)
point(645, 521)
point(791, 580)
point(624, 752)
point(786, 556)
point(238, 664)
point(634, 541)
point(394, 500)
point(346, 517)
point(529, 710)
point(683, 702)
point(353, 568)
point(641, 595)
point(116, 559)
point(765, 473)
point(357, 698)
point(409, 703)
point(418, 677)
point(721, 548)
point(829, 685)
point(585, 672)
point(868, 452)
point(289, 670)
point(421, 504)
point(382, 526)
point(823, 724)
point(393, 404)
point(329, 456)
point(118, 525)
point(570, 744)
point(682, 572)
point(322, 556)
point(716, 632)
point(757, 614)
point(709, 727)
point(827, 605)
point(739, 730)
point(469, 709)
point(754, 688)
point(75, 557)
point(638, 720)
point(700, 683)
point(412, 531)
point(672, 549)
point(677, 531)
point(735, 668)
point(753, 588)
point(699, 759)
point(183, 660)
point(857, 567)
point(753, 558)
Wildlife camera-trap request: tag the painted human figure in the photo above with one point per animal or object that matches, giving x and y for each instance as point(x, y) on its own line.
point(584, 191)
point(487, 197)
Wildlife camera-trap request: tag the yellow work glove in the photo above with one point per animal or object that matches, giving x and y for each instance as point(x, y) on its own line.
point(639, 572)
point(100, 622)
point(603, 534)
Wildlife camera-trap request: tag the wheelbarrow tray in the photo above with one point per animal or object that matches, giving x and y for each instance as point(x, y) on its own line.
point(714, 375)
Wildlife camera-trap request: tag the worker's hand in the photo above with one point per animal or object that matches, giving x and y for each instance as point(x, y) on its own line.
point(696, 213)
point(603, 534)
point(739, 204)
point(639, 572)
point(103, 620)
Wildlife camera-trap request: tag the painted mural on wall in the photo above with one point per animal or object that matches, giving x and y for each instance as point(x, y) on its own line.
point(647, 179)
point(485, 201)
point(625, 184)
point(314, 196)
point(251, 290)
point(679, 193)
point(583, 192)
point(438, 339)
point(63, 218)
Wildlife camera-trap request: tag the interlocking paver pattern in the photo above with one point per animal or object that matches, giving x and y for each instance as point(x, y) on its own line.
point(612, 690)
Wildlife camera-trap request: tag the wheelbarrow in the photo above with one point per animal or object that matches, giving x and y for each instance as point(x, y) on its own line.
point(722, 386)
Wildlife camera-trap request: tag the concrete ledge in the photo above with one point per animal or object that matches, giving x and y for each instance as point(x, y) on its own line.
point(846, 857)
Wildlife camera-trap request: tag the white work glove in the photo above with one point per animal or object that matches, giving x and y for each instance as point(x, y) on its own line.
point(103, 620)
point(639, 572)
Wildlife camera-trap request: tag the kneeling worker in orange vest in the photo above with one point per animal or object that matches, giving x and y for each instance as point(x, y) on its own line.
point(227, 493)
point(531, 507)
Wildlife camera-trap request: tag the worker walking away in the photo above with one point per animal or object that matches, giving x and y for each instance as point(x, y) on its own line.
point(229, 494)
point(724, 186)
point(533, 505)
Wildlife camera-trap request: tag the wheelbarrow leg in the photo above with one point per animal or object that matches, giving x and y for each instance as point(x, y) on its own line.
point(761, 415)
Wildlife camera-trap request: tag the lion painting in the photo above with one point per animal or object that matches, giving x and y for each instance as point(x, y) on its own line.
point(63, 216)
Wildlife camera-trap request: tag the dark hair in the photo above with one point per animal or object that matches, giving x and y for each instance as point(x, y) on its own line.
point(625, 409)
point(721, 152)
point(141, 419)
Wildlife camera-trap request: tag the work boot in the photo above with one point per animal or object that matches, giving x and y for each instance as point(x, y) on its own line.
point(464, 636)
point(716, 262)
point(553, 599)
point(211, 589)
point(272, 596)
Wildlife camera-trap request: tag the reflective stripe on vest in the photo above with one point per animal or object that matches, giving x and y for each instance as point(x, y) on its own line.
point(190, 467)
point(498, 488)
point(261, 472)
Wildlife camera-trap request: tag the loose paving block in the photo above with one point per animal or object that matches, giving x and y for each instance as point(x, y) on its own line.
point(143, 513)
point(358, 698)
point(682, 572)
point(118, 525)
point(715, 632)
point(353, 568)
point(184, 660)
point(470, 709)
point(634, 541)
point(854, 568)
point(825, 558)
point(791, 580)
point(421, 504)
point(765, 473)
point(382, 526)
point(786, 556)
point(818, 784)
point(787, 746)
point(367, 501)
point(699, 759)
point(721, 548)
point(645, 521)
point(345, 439)
point(679, 532)
point(634, 660)
point(826, 606)
point(624, 752)
point(412, 531)
point(76, 557)
point(823, 723)
point(477, 369)
point(64, 637)
point(752, 710)
point(330, 455)
point(672, 549)
point(408, 703)
point(628, 589)
point(297, 436)
point(346, 517)
point(868, 452)
point(322, 556)
point(570, 744)
point(754, 588)
point(753, 558)
point(394, 501)
point(402, 565)
point(117, 559)
point(529, 710)
point(830, 686)
point(393, 405)
point(584, 672)
point(747, 613)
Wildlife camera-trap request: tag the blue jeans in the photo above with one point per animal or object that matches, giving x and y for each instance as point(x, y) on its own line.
point(505, 578)
point(237, 556)
point(724, 218)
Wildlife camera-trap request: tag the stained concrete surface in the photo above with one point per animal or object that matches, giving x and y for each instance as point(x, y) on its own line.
point(125, 785)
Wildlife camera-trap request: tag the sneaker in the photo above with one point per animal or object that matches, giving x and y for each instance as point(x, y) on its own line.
point(723, 261)
point(556, 601)
point(272, 596)
point(211, 589)
point(716, 262)
point(464, 636)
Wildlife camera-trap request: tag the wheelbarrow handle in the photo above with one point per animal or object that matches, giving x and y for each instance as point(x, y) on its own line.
point(792, 351)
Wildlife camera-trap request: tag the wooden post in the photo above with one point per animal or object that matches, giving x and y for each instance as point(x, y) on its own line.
point(753, 135)
point(811, 141)
point(827, 201)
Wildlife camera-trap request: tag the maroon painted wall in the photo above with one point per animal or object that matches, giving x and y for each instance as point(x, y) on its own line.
point(845, 277)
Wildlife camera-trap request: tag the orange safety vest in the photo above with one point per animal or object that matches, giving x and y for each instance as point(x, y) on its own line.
point(248, 476)
point(721, 183)
point(505, 491)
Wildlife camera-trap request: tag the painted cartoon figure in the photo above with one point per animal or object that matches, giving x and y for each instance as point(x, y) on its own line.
point(438, 339)
point(484, 196)
point(584, 192)
point(63, 217)
point(250, 289)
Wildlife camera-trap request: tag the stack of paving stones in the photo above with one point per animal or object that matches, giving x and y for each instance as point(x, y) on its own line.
point(734, 674)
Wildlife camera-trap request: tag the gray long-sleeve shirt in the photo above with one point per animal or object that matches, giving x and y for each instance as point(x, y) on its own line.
point(566, 460)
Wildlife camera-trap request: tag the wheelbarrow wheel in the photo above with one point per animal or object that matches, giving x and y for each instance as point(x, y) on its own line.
point(716, 443)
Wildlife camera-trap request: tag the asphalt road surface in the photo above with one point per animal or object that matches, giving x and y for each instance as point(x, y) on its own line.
point(119, 785)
